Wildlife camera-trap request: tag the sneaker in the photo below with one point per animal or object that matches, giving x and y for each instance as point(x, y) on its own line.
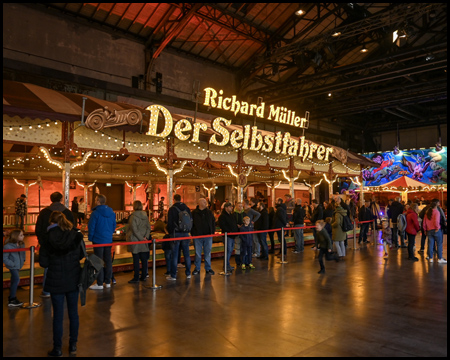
point(196, 272)
point(251, 266)
point(180, 265)
point(170, 278)
point(133, 281)
point(442, 261)
point(243, 267)
point(55, 353)
point(210, 272)
point(114, 282)
point(313, 248)
point(430, 260)
point(167, 274)
point(321, 271)
point(188, 276)
point(421, 251)
point(73, 349)
point(385, 255)
point(45, 295)
point(255, 255)
point(14, 302)
point(96, 287)
point(295, 252)
point(107, 285)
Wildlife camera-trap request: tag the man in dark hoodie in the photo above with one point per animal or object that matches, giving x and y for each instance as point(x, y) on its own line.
point(203, 224)
point(172, 228)
point(101, 227)
point(280, 220)
point(395, 209)
point(263, 224)
point(42, 223)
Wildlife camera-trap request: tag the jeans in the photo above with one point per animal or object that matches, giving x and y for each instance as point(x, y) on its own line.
point(237, 250)
point(230, 246)
point(58, 316)
point(411, 243)
point(256, 246)
point(299, 240)
point(363, 232)
point(279, 239)
point(206, 244)
point(395, 236)
point(104, 275)
point(315, 238)
point(434, 236)
point(340, 247)
point(14, 282)
point(262, 238)
point(246, 254)
point(143, 257)
point(184, 245)
point(20, 218)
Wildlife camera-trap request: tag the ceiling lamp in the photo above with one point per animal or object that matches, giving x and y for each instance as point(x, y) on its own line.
point(364, 49)
point(336, 34)
point(299, 12)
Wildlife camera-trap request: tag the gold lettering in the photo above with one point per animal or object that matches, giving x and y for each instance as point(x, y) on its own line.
point(235, 105)
point(312, 148)
point(221, 130)
point(244, 107)
point(210, 95)
point(278, 142)
point(197, 128)
point(260, 110)
point(154, 117)
point(256, 137)
point(268, 143)
point(225, 105)
point(293, 148)
point(182, 126)
point(286, 138)
point(320, 151)
point(329, 151)
point(303, 147)
point(274, 112)
point(235, 136)
point(246, 136)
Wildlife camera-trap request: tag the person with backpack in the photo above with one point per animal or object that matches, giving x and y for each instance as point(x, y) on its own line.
point(139, 230)
point(412, 227)
point(339, 235)
point(42, 223)
point(61, 252)
point(179, 224)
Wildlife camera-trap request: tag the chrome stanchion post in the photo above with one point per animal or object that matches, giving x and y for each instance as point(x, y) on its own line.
point(374, 231)
point(31, 304)
point(282, 248)
point(225, 270)
point(154, 286)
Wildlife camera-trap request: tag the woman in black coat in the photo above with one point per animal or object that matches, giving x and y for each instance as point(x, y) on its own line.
point(61, 252)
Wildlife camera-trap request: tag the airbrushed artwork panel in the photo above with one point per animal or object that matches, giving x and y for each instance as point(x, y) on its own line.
point(427, 165)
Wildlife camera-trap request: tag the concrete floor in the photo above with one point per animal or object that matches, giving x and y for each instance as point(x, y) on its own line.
point(363, 306)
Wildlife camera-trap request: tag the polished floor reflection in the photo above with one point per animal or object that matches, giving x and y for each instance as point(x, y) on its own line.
point(363, 306)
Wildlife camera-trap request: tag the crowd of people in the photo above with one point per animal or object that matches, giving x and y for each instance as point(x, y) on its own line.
point(61, 251)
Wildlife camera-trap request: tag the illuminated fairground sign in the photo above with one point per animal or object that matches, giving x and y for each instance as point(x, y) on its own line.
point(247, 137)
point(278, 114)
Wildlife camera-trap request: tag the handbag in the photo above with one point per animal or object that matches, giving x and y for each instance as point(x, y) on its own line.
point(92, 266)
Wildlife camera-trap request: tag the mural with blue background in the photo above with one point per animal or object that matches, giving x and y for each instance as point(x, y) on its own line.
point(427, 165)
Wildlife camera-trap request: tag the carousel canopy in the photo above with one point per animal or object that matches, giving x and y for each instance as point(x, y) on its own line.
point(404, 182)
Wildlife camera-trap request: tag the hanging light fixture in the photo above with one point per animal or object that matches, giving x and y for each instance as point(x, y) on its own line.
point(363, 49)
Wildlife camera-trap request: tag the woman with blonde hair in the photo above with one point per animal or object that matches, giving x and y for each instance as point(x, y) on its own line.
point(139, 230)
point(61, 253)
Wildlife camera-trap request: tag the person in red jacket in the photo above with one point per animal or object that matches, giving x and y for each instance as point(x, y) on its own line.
point(412, 227)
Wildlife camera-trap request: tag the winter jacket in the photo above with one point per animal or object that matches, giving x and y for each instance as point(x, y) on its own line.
point(324, 240)
point(386, 235)
point(61, 253)
point(227, 222)
point(336, 224)
point(317, 214)
point(299, 215)
point(246, 238)
point(412, 222)
point(364, 214)
point(394, 211)
point(13, 260)
point(21, 207)
point(102, 225)
point(263, 221)
point(138, 228)
point(280, 217)
point(43, 218)
point(433, 223)
point(173, 216)
point(204, 222)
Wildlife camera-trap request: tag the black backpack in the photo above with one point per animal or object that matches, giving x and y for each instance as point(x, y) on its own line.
point(346, 224)
point(184, 223)
point(92, 266)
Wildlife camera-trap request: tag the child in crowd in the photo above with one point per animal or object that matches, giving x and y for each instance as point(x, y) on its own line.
point(325, 245)
point(386, 236)
point(246, 244)
point(14, 262)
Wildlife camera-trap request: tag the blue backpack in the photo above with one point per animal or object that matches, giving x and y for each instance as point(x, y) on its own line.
point(184, 223)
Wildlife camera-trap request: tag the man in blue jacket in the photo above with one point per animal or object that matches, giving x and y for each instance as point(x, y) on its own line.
point(101, 227)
